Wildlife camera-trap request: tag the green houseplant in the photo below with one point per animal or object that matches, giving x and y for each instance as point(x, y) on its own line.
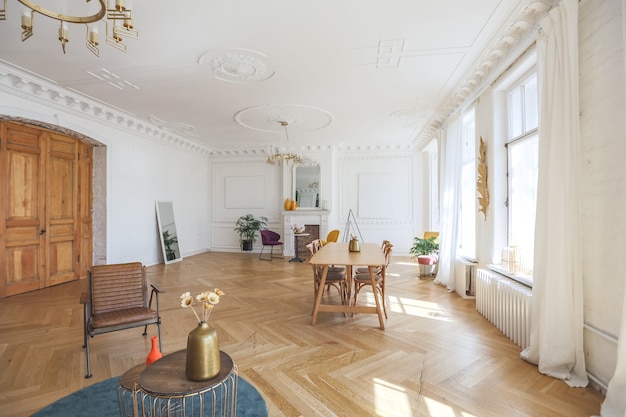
point(422, 246)
point(247, 227)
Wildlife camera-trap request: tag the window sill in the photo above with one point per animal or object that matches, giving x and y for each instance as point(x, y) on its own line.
point(521, 278)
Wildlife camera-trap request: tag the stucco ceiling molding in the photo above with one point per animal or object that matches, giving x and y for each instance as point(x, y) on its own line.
point(237, 65)
point(518, 36)
point(268, 118)
point(376, 148)
point(39, 90)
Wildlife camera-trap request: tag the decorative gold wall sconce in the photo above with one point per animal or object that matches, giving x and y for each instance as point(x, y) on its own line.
point(481, 184)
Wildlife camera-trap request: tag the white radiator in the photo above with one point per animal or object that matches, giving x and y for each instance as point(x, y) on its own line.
point(506, 304)
point(465, 277)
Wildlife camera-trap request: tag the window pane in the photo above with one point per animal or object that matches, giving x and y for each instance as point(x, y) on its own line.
point(469, 137)
point(530, 104)
point(467, 216)
point(468, 210)
point(523, 165)
point(515, 113)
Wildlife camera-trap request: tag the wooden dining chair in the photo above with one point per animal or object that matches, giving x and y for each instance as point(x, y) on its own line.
point(317, 245)
point(363, 279)
point(364, 269)
point(117, 299)
point(334, 278)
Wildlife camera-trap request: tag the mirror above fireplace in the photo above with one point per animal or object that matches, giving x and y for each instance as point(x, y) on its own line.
point(307, 186)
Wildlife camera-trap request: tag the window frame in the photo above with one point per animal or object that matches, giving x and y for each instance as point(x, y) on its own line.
point(513, 139)
point(468, 138)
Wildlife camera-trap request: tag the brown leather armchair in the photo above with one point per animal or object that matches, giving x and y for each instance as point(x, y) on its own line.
point(117, 299)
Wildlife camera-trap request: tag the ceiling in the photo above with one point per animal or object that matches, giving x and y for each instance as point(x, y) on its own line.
point(225, 74)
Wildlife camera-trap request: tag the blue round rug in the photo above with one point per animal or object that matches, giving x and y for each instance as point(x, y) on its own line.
point(100, 400)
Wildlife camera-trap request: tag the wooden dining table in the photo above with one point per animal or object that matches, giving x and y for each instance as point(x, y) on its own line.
point(371, 255)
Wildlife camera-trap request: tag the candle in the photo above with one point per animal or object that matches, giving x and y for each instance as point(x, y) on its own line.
point(93, 36)
point(27, 21)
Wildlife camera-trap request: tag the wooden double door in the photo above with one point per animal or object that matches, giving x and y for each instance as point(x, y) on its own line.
point(45, 203)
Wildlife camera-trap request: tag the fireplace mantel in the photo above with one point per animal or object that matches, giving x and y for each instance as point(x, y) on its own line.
point(300, 216)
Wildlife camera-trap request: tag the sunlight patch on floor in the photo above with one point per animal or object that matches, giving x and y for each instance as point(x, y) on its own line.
point(390, 399)
point(418, 308)
point(437, 409)
point(407, 263)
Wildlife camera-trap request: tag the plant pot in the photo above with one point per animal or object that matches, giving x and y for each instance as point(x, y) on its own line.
point(246, 245)
point(427, 269)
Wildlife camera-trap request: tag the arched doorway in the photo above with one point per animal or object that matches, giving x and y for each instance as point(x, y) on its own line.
point(49, 209)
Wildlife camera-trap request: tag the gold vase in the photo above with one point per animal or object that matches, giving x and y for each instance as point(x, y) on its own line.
point(203, 353)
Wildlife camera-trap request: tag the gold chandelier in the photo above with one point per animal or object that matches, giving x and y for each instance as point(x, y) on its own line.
point(278, 157)
point(119, 15)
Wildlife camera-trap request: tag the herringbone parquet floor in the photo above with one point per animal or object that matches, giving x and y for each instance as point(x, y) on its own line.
point(437, 356)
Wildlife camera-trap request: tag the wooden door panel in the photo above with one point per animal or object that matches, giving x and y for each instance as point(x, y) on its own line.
point(46, 200)
point(85, 198)
point(61, 209)
point(22, 269)
point(61, 203)
point(62, 266)
point(23, 199)
point(22, 219)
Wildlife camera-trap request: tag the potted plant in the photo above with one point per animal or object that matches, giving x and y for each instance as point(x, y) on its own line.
point(425, 247)
point(247, 226)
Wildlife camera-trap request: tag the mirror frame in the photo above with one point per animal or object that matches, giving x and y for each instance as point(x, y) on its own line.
point(163, 209)
point(319, 188)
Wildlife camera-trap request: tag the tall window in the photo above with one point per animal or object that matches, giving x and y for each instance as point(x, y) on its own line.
point(522, 154)
point(467, 216)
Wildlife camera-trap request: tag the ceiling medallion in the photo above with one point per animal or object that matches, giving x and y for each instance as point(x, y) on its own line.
point(268, 117)
point(408, 118)
point(237, 65)
point(119, 15)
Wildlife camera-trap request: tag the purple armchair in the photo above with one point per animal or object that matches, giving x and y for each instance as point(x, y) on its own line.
point(271, 239)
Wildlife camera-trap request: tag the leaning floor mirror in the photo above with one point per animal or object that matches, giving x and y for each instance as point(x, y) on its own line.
point(167, 232)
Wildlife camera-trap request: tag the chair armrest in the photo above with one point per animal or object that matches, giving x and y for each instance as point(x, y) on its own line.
point(157, 289)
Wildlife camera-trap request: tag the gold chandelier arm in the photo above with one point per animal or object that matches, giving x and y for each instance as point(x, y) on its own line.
point(72, 19)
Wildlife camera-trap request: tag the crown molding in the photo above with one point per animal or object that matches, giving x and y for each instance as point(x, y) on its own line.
point(23, 84)
point(520, 33)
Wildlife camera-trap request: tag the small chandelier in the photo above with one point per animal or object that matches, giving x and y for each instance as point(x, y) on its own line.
point(119, 15)
point(278, 157)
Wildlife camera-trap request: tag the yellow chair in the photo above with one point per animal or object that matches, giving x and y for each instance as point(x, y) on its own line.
point(332, 236)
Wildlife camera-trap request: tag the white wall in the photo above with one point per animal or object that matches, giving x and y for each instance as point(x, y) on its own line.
point(259, 192)
point(385, 191)
point(139, 171)
point(386, 195)
point(603, 179)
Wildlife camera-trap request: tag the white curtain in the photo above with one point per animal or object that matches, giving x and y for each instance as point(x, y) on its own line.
point(450, 151)
point(556, 340)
